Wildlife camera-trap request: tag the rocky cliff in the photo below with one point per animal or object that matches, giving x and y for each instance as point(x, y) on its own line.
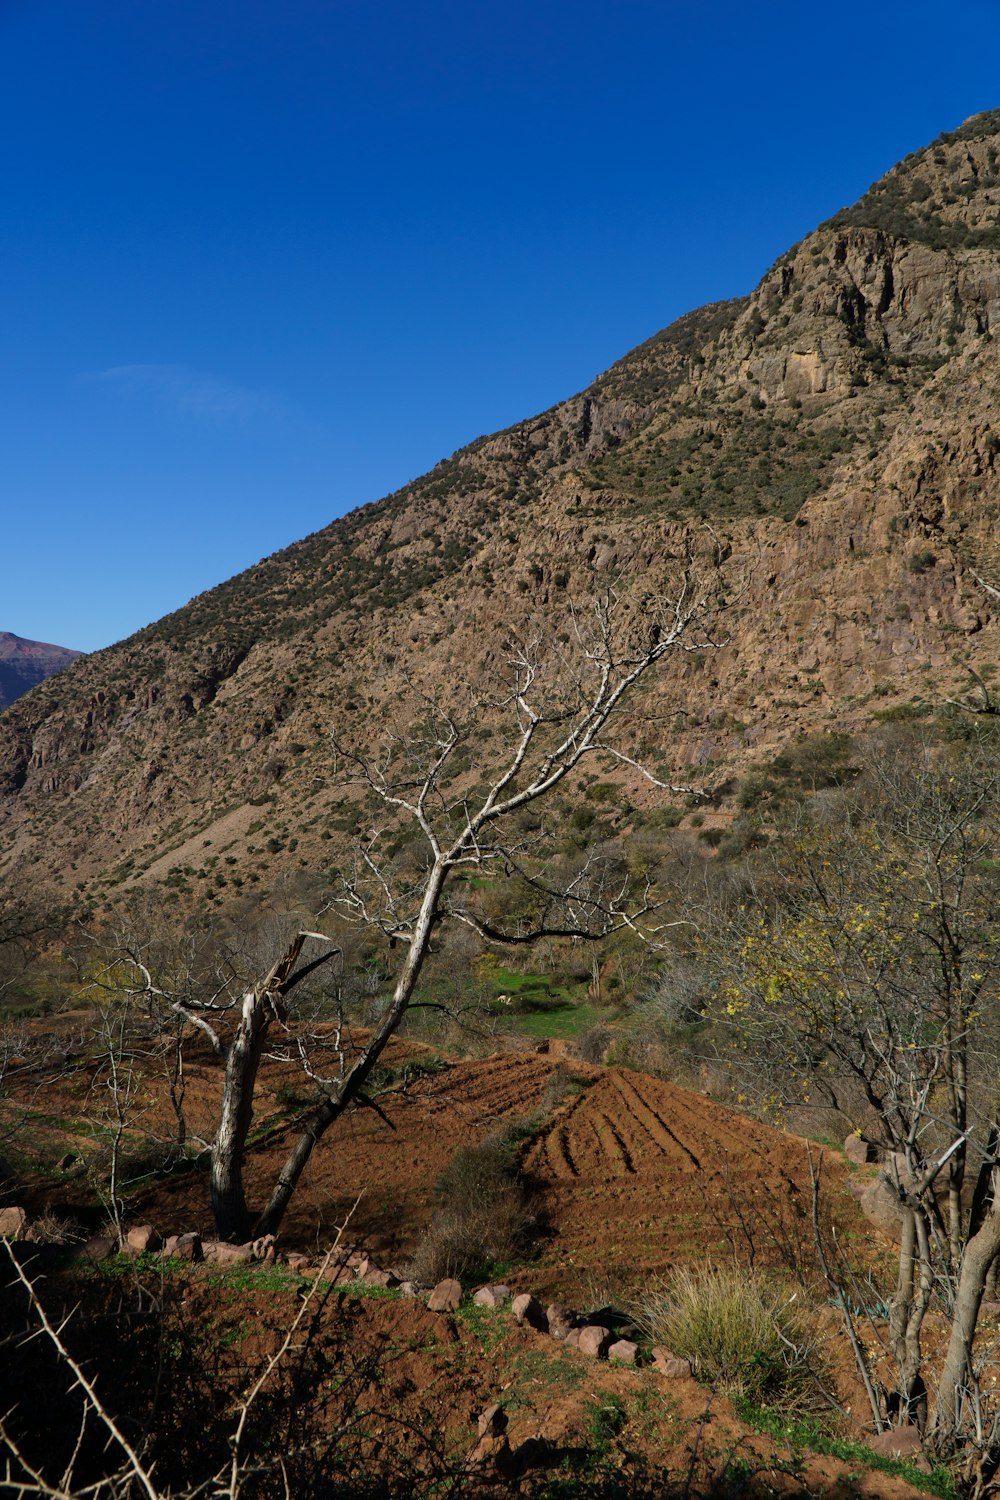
point(835, 432)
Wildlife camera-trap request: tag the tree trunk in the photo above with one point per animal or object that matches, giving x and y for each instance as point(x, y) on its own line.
point(980, 1253)
point(260, 1006)
point(353, 1082)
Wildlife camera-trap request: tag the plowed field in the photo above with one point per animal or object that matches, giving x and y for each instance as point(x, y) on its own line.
point(630, 1175)
point(637, 1174)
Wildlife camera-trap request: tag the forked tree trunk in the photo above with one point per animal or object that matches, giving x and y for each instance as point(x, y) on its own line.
point(261, 1005)
point(353, 1082)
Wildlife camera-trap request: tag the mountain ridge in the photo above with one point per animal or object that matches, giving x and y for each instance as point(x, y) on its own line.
point(24, 664)
point(834, 429)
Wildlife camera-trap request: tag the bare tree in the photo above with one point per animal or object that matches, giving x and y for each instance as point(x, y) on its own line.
point(550, 707)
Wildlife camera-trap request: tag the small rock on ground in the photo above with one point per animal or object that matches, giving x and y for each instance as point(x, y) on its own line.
point(528, 1309)
point(13, 1223)
point(446, 1296)
point(142, 1239)
point(898, 1442)
point(595, 1340)
point(624, 1351)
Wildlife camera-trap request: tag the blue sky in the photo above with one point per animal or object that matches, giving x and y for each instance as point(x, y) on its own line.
point(263, 263)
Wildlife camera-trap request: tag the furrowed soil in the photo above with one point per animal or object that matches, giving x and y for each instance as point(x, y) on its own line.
point(629, 1174)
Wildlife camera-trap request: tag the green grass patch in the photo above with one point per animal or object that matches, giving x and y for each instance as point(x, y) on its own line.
point(562, 1021)
point(805, 1433)
point(489, 1326)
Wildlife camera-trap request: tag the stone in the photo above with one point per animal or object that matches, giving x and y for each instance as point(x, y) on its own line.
point(527, 1309)
point(65, 1162)
point(493, 1453)
point(13, 1223)
point(142, 1239)
point(493, 1421)
point(446, 1296)
point(665, 1362)
point(881, 1207)
point(297, 1262)
point(624, 1351)
point(559, 1319)
point(491, 1296)
point(375, 1276)
point(573, 1338)
point(858, 1149)
point(264, 1249)
point(898, 1442)
point(100, 1246)
point(595, 1340)
point(219, 1253)
point(186, 1246)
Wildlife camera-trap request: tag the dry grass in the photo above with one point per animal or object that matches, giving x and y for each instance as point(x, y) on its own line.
point(740, 1332)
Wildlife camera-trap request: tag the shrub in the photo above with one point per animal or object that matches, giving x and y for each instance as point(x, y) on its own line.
point(594, 1042)
point(484, 1217)
point(739, 1333)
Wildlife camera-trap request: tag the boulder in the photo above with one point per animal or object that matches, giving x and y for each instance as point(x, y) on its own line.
point(142, 1239)
point(573, 1338)
point(624, 1351)
point(65, 1162)
point(671, 1365)
point(897, 1442)
point(493, 1454)
point(559, 1319)
point(100, 1246)
point(858, 1148)
point(446, 1296)
point(491, 1296)
point(297, 1262)
point(595, 1340)
point(219, 1253)
point(13, 1223)
point(186, 1246)
point(375, 1276)
point(527, 1309)
point(881, 1207)
point(264, 1249)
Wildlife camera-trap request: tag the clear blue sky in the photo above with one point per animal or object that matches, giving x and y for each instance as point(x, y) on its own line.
point(265, 262)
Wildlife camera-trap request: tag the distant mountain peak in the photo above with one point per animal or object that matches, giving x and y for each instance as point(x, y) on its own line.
point(24, 664)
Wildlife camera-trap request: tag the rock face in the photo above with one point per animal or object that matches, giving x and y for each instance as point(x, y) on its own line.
point(24, 664)
point(836, 429)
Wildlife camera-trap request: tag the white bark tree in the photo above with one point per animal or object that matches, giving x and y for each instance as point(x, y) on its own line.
point(552, 707)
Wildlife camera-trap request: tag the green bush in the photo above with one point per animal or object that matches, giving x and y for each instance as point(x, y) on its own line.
point(740, 1333)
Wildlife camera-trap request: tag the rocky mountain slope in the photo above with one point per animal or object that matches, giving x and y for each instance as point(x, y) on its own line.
point(835, 432)
point(24, 664)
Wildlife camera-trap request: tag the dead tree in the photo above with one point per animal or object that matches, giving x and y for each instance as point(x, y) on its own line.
point(550, 707)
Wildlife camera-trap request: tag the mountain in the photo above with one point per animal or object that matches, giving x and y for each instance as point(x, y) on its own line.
point(24, 664)
point(837, 433)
